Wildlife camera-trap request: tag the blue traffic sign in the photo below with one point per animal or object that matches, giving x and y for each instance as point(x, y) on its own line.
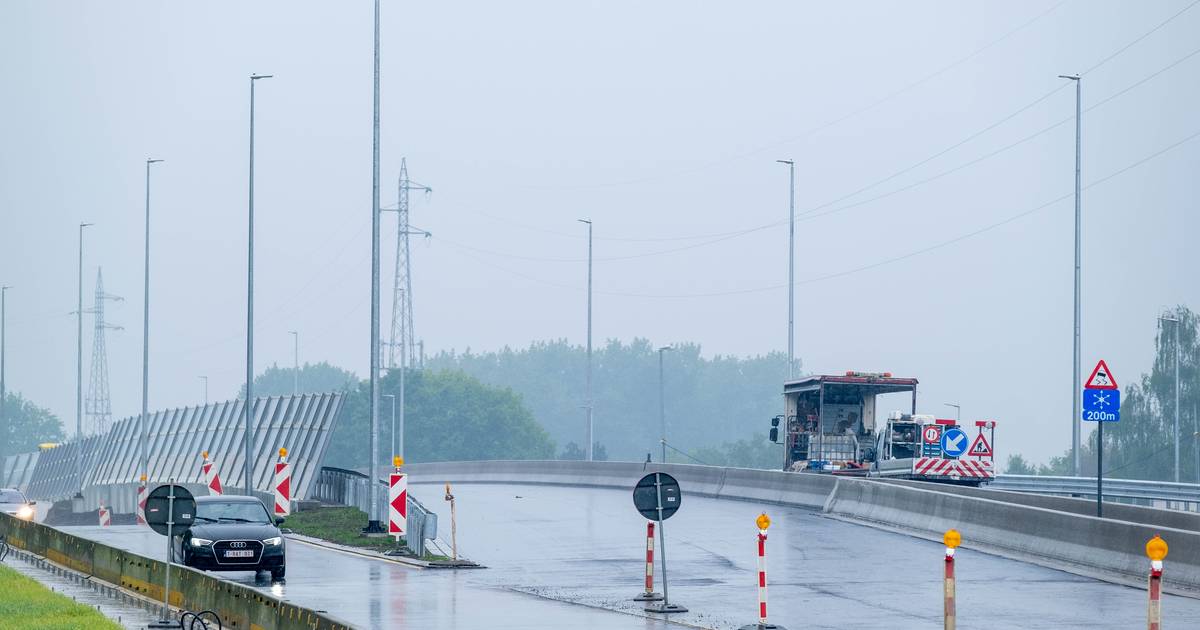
point(1102, 405)
point(954, 442)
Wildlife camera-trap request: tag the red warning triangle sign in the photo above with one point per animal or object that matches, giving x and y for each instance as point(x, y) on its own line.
point(1101, 378)
point(980, 447)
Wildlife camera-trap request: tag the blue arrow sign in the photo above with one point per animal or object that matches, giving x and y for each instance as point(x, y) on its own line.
point(1102, 405)
point(954, 442)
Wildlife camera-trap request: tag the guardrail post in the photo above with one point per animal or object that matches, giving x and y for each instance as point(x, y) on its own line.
point(1156, 550)
point(952, 539)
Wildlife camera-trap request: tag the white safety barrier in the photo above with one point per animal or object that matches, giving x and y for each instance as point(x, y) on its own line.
point(283, 485)
point(397, 501)
point(208, 472)
point(105, 516)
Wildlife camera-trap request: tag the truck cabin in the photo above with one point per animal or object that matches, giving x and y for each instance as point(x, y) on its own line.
point(829, 421)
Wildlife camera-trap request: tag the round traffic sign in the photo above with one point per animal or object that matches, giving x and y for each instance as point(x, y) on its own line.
point(656, 496)
point(159, 509)
point(931, 434)
point(954, 442)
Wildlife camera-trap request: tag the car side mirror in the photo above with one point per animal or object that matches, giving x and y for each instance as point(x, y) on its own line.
point(775, 421)
point(775, 435)
point(279, 521)
point(33, 503)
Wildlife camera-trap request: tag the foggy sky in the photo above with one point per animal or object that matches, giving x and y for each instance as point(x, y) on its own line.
point(661, 122)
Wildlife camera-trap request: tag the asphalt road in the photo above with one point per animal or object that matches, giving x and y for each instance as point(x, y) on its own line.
point(563, 556)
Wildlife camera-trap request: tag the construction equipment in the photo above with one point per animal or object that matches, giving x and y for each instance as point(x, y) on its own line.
point(829, 426)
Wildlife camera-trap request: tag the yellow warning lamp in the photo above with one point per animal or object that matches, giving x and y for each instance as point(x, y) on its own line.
point(1156, 549)
point(282, 452)
point(204, 454)
point(952, 539)
point(763, 521)
point(45, 446)
point(397, 461)
point(143, 477)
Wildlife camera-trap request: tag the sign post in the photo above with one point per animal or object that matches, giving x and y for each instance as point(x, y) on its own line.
point(1101, 403)
point(170, 511)
point(657, 497)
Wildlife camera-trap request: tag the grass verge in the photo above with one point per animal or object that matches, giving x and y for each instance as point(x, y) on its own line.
point(341, 525)
point(25, 603)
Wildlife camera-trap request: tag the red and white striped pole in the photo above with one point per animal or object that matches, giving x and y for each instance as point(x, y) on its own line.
point(208, 471)
point(283, 485)
point(763, 521)
point(649, 595)
point(397, 500)
point(952, 539)
point(1156, 550)
point(141, 501)
point(105, 516)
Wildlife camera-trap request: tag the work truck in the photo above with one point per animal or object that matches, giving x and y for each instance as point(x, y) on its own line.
point(829, 426)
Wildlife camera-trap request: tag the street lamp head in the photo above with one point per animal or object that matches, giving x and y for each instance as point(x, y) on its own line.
point(153, 160)
point(665, 348)
point(1168, 318)
point(255, 77)
point(584, 221)
point(83, 225)
point(788, 162)
point(1073, 77)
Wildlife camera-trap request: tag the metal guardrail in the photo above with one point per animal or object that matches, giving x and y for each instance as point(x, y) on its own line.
point(348, 487)
point(1166, 494)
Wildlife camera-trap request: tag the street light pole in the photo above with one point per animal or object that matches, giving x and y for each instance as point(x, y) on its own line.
point(205, 379)
point(143, 457)
point(791, 266)
point(1076, 391)
point(957, 413)
point(79, 367)
point(249, 403)
point(3, 392)
point(589, 405)
point(662, 403)
point(374, 518)
point(1174, 320)
point(393, 397)
point(295, 363)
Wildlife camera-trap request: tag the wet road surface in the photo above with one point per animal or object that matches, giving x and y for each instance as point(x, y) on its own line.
point(582, 552)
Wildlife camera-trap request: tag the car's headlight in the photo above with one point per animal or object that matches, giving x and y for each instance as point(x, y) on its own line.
point(201, 542)
point(25, 512)
point(273, 542)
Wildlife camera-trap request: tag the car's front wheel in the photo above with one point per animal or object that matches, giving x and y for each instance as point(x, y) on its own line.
point(277, 574)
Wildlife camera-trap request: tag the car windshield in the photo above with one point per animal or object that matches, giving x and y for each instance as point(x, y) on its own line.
point(231, 511)
point(11, 496)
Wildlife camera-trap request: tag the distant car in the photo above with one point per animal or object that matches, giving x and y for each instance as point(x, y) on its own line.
point(232, 533)
point(14, 503)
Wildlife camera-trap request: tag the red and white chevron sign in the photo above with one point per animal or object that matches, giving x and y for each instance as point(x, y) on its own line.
point(208, 472)
point(954, 468)
point(141, 502)
point(283, 485)
point(105, 516)
point(397, 503)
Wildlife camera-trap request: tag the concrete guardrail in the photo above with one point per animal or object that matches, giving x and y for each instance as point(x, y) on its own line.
point(240, 607)
point(1055, 532)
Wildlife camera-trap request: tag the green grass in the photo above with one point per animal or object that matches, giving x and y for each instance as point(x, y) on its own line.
point(24, 603)
point(342, 525)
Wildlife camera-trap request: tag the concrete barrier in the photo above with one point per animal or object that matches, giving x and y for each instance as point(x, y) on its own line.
point(239, 606)
point(1050, 531)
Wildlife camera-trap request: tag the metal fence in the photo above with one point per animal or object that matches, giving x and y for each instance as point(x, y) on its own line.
point(348, 487)
point(1160, 494)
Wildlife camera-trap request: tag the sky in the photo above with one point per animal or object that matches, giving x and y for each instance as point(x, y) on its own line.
point(934, 154)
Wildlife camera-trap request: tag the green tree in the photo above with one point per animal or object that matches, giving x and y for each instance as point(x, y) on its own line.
point(755, 452)
point(1018, 465)
point(708, 400)
point(449, 416)
point(315, 378)
point(28, 425)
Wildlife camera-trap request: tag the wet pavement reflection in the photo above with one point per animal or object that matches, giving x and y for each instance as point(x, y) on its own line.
point(560, 556)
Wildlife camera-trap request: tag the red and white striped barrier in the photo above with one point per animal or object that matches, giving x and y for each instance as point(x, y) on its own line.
point(105, 516)
point(397, 500)
point(283, 485)
point(141, 501)
point(954, 468)
point(208, 471)
point(1156, 550)
point(952, 539)
point(649, 595)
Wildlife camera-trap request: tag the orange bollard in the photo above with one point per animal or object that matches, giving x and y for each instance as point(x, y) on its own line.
point(1156, 550)
point(952, 539)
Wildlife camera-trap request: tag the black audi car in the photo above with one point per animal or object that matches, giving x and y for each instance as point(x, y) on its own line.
point(232, 533)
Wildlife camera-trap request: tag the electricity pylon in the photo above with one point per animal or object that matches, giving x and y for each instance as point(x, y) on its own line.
point(98, 404)
point(402, 349)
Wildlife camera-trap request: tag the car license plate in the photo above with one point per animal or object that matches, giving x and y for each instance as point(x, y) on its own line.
point(238, 553)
